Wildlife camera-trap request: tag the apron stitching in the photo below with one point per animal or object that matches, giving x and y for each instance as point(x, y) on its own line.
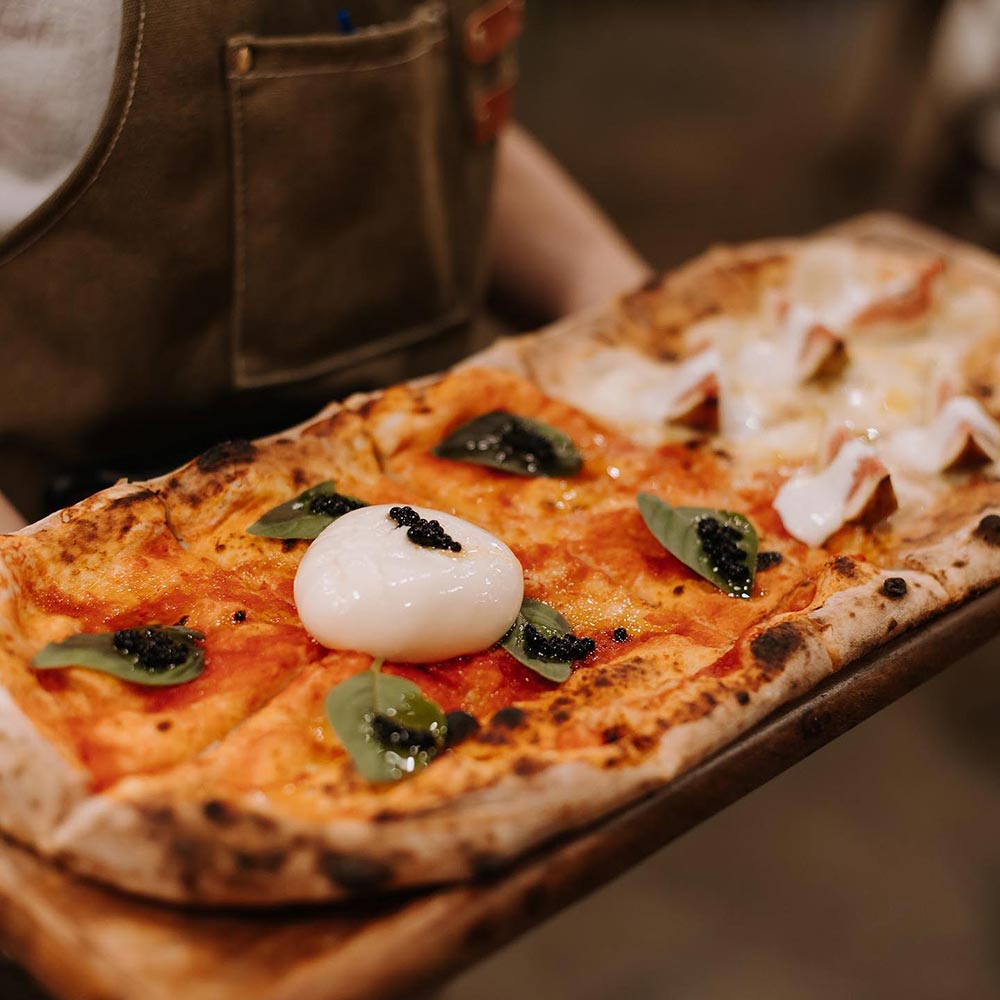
point(239, 285)
point(335, 70)
point(133, 79)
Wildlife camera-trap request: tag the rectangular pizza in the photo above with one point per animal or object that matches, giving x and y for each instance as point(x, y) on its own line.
point(438, 625)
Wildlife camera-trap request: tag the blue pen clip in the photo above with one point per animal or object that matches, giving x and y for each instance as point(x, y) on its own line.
point(345, 21)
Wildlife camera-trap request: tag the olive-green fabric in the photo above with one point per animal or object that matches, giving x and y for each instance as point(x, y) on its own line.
point(272, 213)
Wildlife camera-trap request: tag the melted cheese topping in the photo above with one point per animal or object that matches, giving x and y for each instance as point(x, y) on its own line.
point(961, 425)
point(364, 585)
point(813, 507)
point(864, 345)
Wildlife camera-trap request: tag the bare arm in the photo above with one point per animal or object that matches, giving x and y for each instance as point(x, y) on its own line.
point(10, 519)
point(555, 251)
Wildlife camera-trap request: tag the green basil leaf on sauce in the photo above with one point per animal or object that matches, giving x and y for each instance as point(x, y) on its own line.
point(306, 515)
point(151, 655)
point(390, 729)
point(719, 545)
point(511, 443)
point(549, 623)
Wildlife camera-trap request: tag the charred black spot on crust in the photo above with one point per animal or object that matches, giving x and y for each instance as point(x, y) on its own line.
point(299, 478)
point(743, 697)
point(561, 702)
point(387, 816)
point(185, 853)
point(163, 725)
point(678, 590)
point(259, 861)
point(486, 865)
point(643, 742)
point(845, 566)
point(218, 812)
point(988, 529)
point(353, 872)
point(67, 557)
point(892, 625)
point(510, 717)
point(613, 734)
point(461, 725)
point(227, 453)
point(239, 616)
point(560, 716)
point(894, 588)
point(133, 498)
point(602, 681)
point(693, 444)
point(773, 648)
point(289, 544)
point(527, 766)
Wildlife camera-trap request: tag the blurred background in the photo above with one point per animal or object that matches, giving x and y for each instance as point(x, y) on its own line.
point(693, 122)
point(872, 869)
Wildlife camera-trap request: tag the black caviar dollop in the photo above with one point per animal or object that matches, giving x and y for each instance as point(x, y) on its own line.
point(894, 588)
point(558, 648)
point(333, 505)
point(718, 541)
point(420, 531)
point(620, 634)
point(392, 735)
point(516, 438)
point(765, 560)
point(153, 648)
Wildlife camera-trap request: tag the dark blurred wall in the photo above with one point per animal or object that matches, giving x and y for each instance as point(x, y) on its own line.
point(694, 122)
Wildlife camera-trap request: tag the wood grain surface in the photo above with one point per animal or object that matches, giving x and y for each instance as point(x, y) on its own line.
point(85, 942)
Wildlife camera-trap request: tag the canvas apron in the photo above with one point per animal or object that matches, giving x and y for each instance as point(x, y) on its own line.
point(273, 212)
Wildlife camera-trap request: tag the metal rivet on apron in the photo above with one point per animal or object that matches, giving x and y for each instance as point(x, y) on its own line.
point(243, 59)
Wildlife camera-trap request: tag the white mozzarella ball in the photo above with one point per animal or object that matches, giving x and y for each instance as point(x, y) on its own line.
point(364, 585)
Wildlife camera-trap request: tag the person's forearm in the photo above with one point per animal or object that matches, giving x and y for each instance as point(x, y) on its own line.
point(554, 250)
point(10, 519)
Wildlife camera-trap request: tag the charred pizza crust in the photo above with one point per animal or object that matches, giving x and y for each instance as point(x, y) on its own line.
point(243, 798)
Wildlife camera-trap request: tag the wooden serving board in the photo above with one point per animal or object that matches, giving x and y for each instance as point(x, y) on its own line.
point(86, 942)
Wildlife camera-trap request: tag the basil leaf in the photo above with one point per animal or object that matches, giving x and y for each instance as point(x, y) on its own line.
point(511, 443)
point(98, 651)
point(306, 515)
point(386, 724)
point(550, 623)
point(726, 555)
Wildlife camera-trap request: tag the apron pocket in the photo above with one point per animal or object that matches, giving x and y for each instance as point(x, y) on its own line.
point(344, 151)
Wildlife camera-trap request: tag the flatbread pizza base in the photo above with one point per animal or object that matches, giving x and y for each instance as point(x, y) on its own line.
point(178, 835)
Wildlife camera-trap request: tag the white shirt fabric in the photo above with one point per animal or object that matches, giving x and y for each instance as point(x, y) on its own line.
point(57, 63)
